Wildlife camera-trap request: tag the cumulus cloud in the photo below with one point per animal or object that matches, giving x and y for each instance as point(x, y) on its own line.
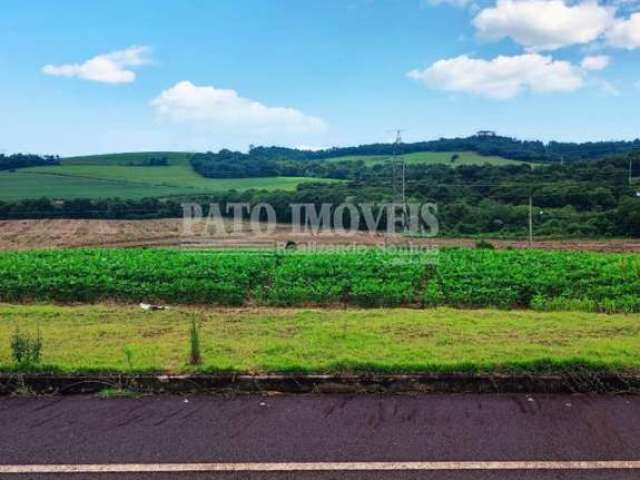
point(625, 33)
point(106, 68)
point(595, 62)
point(544, 24)
point(503, 77)
point(209, 106)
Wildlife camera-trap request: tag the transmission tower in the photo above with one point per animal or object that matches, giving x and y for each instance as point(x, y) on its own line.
point(398, 169)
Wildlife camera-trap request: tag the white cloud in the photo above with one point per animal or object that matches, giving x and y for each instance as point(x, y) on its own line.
point(595, 62)
point(625, 33)
point(544, 24)
point(106, 68)
point(209, 106)
point(503, 77)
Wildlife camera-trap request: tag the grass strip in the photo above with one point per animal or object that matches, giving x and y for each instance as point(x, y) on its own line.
point(117, 338)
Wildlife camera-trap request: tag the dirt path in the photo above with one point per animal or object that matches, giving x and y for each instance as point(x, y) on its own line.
point(26, 234)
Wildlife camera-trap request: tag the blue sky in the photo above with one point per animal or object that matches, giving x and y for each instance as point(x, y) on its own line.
point(82, 77)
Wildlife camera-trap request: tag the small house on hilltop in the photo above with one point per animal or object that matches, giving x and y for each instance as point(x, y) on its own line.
point(486, 133)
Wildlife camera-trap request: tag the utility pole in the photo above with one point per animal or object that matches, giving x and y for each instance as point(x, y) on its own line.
point(394, 164)
point(530, 219)
point(399, 178)
point(635, 152)
point(404, 199)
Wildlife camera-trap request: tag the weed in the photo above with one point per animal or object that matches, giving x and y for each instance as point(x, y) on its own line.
point(195, 356)
point(485, 245)
point(110, 392)
point(26, 349)
point(128, 355)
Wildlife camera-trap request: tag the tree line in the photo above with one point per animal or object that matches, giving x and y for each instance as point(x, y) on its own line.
point(21, 160)
point(282, 161)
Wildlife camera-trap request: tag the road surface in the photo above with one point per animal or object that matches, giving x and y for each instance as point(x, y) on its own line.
point(321, 437)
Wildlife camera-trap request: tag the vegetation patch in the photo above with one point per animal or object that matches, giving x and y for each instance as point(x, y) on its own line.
point(468, 278)
point(110, 393)
point(126, 339)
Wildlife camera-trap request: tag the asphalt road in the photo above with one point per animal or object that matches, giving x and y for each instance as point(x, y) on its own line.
point(161, 430)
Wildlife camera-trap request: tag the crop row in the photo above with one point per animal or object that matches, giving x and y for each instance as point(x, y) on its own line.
point(375, 278)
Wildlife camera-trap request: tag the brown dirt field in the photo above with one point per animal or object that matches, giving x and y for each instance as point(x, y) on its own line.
point(26, 234)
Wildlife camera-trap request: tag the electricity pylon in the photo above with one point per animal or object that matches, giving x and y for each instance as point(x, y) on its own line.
point(398, 172)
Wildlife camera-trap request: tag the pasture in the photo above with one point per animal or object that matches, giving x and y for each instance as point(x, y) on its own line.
point(432, 158)
point(117, 175)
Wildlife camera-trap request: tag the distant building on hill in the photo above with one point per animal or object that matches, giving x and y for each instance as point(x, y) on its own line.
point(486, 133)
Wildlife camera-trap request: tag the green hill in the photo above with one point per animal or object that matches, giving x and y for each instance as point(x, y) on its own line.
point(129, 175)
point(121, 175)
point(464, 158)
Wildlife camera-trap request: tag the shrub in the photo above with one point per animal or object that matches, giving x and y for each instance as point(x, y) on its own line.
point(26, 349)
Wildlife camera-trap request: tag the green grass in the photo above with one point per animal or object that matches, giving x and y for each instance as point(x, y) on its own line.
point(102, 176)
point(109, 393)
point(94, 338)
point(432, 158)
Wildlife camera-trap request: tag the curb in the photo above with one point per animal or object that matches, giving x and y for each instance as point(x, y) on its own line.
point(332, 384)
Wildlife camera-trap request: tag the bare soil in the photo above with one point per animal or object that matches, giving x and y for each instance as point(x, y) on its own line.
point(58, 233)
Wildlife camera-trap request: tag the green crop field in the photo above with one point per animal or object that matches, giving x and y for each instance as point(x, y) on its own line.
point(173, 158)
point(119, 338)
point(465, 158)
point(453, 277)
point(103, 176)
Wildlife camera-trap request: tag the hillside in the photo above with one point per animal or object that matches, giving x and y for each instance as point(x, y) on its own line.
point(484, 145)
point(125, 176)
point(172, 174)
point(432, 158)
point(129, 175)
